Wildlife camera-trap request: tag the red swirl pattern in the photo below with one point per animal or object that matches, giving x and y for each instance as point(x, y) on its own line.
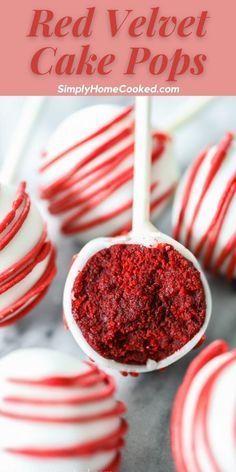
point(92, 378)
point(207, 244)
point(78, 191)
point(10, 277)
point(201, 411)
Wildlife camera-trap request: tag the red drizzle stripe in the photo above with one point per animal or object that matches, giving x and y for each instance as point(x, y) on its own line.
point(27, 302)
point(72, 199)
point(187, 192)
point(108, 442)
point(10, 272)
point(115, 465)
point(232, 263)
point(107, 392)
point(79, 191)
point(154, 204)
point(210, 238)
point(83, 379)
point(206, 246)
point(15, 206)
point(21, 275)
point(100, 131)
point(201, 413)
point(58, 186)
point(210, 352)
point(117, 410)
point(101, 169)
point(13, 221)
point(215, 349)
point(75, 224)
point(217, 160)
point(226, 251)
point(10, 277)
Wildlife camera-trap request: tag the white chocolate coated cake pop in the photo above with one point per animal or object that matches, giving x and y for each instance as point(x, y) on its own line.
point(86, 172)
point(124, 295)
point(204, 413)
point(27, 257)
point(57, 414)
point(204, 215)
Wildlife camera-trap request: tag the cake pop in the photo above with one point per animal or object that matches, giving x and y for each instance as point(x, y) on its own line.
point(139, 302)
point(204, 413)
point(204, 215)
point(87, 171)
point(57, 414)
point(27, 257)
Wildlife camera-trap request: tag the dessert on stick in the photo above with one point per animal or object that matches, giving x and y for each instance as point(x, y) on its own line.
point(204, 213)
point(58, 414)
point(204, 413)
point(87, 171)
point(27, 256)
point(138, 302)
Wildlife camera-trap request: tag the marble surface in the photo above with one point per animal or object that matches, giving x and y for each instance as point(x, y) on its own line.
point(149, 397)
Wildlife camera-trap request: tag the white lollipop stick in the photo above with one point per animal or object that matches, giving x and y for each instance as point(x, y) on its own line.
point(142, 155)
point(20, 138)
point(142, 165)
point(187, 113)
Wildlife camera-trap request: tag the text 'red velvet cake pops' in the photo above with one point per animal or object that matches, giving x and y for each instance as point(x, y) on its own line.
point(204, 215)
point(58, 414)
point(87, 171)
point(27, 256)
point(204, 413)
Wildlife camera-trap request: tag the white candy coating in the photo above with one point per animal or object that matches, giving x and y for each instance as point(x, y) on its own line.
point(203, 424)
point(102, 217)
point(19, 271)
point(152, 237)
point(208, 218)
point(46, 417)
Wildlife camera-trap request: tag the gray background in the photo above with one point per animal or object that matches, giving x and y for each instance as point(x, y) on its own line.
point(149, 397)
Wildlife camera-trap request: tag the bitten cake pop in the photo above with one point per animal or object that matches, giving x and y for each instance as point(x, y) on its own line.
point(57, 414)
point(87, 171)
point(139, 302)
point(204, 415)
point(27, 257)
point(204, 214)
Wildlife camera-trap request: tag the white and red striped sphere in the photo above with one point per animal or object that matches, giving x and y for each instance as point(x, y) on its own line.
point(204, 414)
point(87, 171)
point(204, 215)
point(27, 257)
point(57, 414)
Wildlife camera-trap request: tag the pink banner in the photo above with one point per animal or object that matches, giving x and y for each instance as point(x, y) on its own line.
point(118, 47)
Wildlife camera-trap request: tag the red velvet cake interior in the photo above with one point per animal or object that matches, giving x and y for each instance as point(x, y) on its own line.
point(134, 303)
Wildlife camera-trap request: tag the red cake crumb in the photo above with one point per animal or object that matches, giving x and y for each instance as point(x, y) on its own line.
point(134, 303)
